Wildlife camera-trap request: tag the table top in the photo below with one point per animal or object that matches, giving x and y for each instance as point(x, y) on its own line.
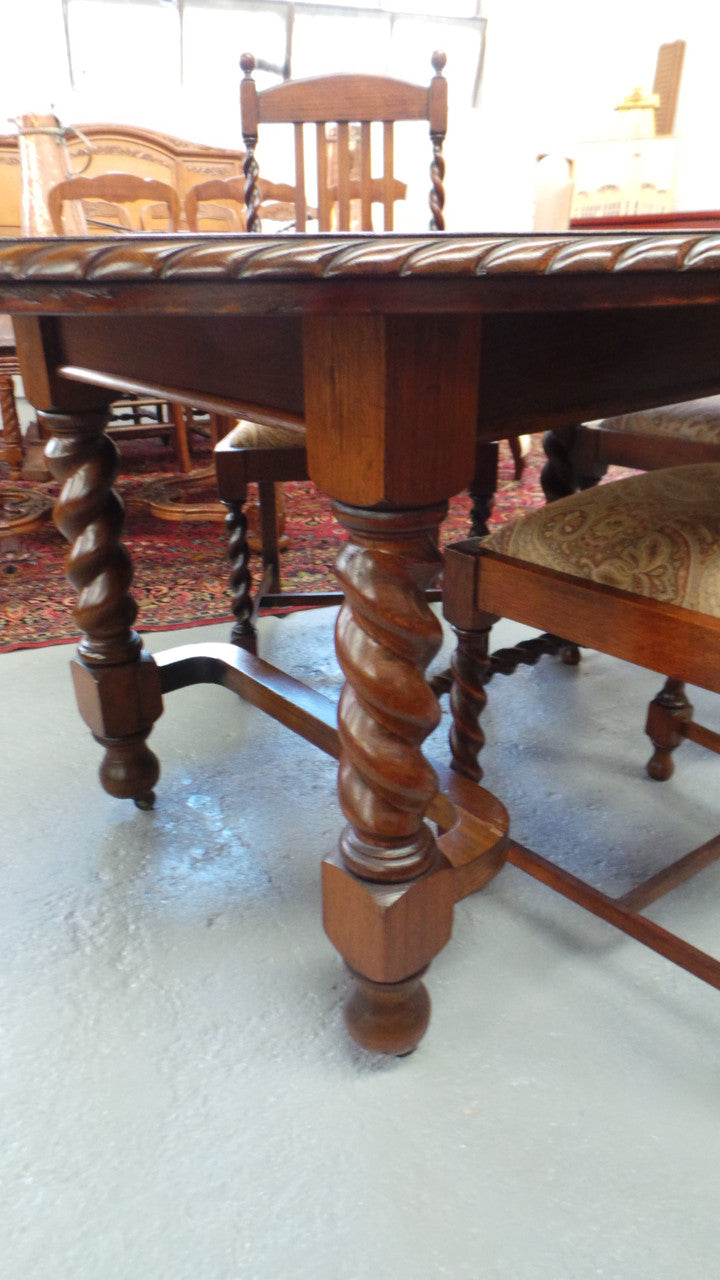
point(398, 352)
point(358, 272)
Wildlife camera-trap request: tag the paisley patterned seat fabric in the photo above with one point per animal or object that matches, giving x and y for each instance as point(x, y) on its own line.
point(697, 420)
point(656, 535)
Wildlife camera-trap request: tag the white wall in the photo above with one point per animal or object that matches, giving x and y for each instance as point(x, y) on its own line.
point(554, 72)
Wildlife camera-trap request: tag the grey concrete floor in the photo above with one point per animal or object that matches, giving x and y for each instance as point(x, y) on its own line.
point(180, 1100)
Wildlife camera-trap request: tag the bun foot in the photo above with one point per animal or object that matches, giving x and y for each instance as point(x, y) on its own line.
point(130, 770)
point(660, 766)
point(388, 1018)
point(667, 716)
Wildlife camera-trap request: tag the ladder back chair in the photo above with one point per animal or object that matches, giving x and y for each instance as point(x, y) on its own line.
point(120, 203)
point(127, 190)
point(631, 569)
point(333, 105)
point(223, 200)
point(341, 109)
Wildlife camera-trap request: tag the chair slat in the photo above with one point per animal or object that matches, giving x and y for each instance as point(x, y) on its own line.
point(300, 198)
point(389, 173)
point(343, 166)
point(322, 178)
point(366, 176)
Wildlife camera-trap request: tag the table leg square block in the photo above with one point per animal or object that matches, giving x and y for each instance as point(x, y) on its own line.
point(387, 932)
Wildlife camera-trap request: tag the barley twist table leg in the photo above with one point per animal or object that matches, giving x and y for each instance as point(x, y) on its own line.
point(116, 682)
point(388, 896)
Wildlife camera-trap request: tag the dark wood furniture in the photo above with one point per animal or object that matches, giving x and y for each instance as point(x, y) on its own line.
point(375, 343)
point(11, 452)
point(22, 508)
point(672, 435)
point(630, 570)
point(580, 454)
point(342, 111)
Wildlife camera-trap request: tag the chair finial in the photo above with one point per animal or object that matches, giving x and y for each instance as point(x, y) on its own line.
point(247, 63)
point(438, 60)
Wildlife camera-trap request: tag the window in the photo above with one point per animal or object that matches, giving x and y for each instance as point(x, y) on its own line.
point(173, 65)
point(197, 43)
point(113, 40)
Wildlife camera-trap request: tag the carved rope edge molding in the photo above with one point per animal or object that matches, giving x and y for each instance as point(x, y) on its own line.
point(228, 257)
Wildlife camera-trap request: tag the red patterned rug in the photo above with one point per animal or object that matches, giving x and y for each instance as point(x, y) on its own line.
point(181, 569)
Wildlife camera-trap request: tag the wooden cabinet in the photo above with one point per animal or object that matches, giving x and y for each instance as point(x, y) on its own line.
point(112, 146)
point(624, 176)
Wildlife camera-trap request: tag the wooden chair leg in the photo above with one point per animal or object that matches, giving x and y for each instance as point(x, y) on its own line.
point(181, 436)
point(269, 534)
point(667, 714)
point(516, 449)
point(567, 468)
point(243, 633)
point(470, 670)
point(11, 450)
point(220, 424)
point(483, 488)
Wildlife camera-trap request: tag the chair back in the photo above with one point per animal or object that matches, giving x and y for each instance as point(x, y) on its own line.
point(221, 202)
point(125, 191)
point(343, 109)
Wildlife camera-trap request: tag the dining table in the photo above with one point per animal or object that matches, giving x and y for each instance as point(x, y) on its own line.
point(398, 354)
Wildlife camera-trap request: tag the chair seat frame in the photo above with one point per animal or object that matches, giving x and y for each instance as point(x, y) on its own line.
point(480, 587)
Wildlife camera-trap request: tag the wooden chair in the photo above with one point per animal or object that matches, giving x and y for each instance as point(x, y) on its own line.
point(119, 203)
point(104, 215)
point(629, 569)
point(578, 457)
point(22, 508)
point(97, 148)
point(222, 200)
point(333, 104)
point(341, 110)
point(670, 436)
point(11, 445)
point(126, 190)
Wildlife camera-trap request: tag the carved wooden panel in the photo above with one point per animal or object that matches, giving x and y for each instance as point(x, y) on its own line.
point(120, 147)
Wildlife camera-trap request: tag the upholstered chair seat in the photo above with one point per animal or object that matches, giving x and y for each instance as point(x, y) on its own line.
point(671, 435)
point(630, 569)
point(697, 420)
point(656, 535)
